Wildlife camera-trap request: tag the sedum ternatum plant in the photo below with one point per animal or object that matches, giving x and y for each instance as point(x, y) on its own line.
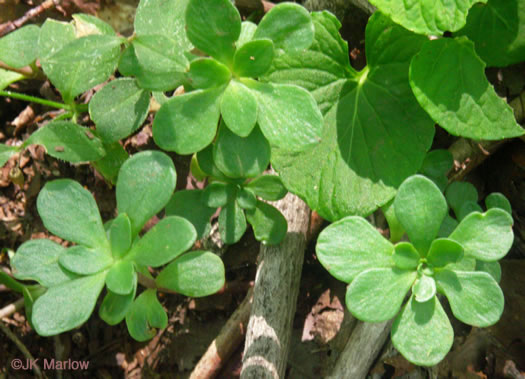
point(381, 274)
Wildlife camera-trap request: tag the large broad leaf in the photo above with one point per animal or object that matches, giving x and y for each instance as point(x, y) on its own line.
point(145, 184)
point(498, 31)
point(269, 225)
point(188, 204)
point(422, 332)
point(20, 48)
point(188, 123)
point(119, 109)
point(38, 260)
point(68, 141)
point(70, 211)
point(420, 208)
point(144, 315)
point(82, 64)
point(376, 295)
point(54, 35)
point(475, 297)
point(168, 239)
point(83, 261)
point(195, 274)
point(7, 152)
point(213, 27)
point(67, 305)
point(375, 133)
point(448, 80)
point(427, 16)
point(350, 246)
point(485, 236)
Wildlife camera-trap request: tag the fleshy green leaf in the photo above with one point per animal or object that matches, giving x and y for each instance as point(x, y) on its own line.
point(427, 16)
point(498, 200)
point(38, 260)
point(68, 141)
point(420, 207)
point(447, 227)
point(497, 28)
point(254, 58)
point(475, 297)
point(207, 72)
point(195, 274)
point(188, 123)
point(375, 133)
point(82, 64)
point(239, 157)
point(110, 164)
point(146, 179)
point(119, 109)
point(376, 295)
point(485, 236)
point(458, 193)
point(491, 268)
point(247, 31)
point(67, 305)
point(288, 25)
point(84, 261)
point(159, 53)
point(269, 187)
point(467, 208)
point(144, 315)
point(115, 307)
point(444, 251)
point(213, 27)
point(188, 204)
point(465, 264)
point(207, 165)
point(239, 108)
point(121, 278)
point(232, 223)
point(350, 246)
point(20, 47)
point(246, 198)
point(70, 212)
point(422, 332)
point(54, 35)
point(86, 25)
point(168, 239)
point(394, 227)
point(406, 256)
point(120, 236)
point(436, 165)
point(287, 114)
point(424, 288)
point(448, 80)
point(7, 152)
point(8, 77)
point(269, 225)
point(218, 194)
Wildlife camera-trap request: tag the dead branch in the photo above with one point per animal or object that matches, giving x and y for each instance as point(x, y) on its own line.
point(9, 26)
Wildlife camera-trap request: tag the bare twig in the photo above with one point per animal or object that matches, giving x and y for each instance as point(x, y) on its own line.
point(510, 371)
point(9, 26)
point(11, 308)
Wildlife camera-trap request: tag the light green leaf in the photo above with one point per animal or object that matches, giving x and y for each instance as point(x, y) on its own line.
point(86, 25)
point(121, 278)
point(458, 193)
point(67, 305)
point(115, 307)
point(218, 194)
point(168, 239)
point(159, 53)
point(491, 268)
point(448, 80)
point(427, 16)
point(465, 264)
point(424, 288)
point(375, 133)
point(246, 198)
point(148, 178)
point(475, 298)
point(269, 187)
point(247, 31)
point(239, 157)
point(350, 246)
point(8, 77)
point(188, 123)
point(268, 223)
point(406, 256)
point(82, 64)
point(54, 35)
point(239, 108)
point(420, 207)
point(395, 229)
point(232, 223)
point(68, 141)
point(195, 274)
point(422, 332)
point(288, 25)
point(120, 236)
point(20, 47)
point(7, 152)
point(213, 27)
point(498, 200)
point(38, 260)
point(254, 58)
point(144, 315)
point(207, 72)
point(444, 251)
point(119, 109)
point(188, 204)
point(70, 212)
point(110, 164)
point(85, 261)
point(485, 236)
point(497, 28)
point(467, 208)
point(376, 294)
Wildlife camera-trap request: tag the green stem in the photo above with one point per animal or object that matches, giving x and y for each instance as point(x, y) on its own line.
point(32, 99)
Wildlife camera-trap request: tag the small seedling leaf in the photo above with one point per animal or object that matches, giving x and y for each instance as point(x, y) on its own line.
point(121, 278)
point(424, 288)
point(207, 73)
point(120, 236)
point(115, 307)
point(269, 225)
point(246, 199)
point(406, 256)
point(218, 194)
point(498, 200)
point(144, 315)
point(458, 193)
point(254, 58)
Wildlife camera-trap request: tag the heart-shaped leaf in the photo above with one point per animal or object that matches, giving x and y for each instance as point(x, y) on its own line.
point(406, 256)
point(85, 261)
point(239, 108)
point(144, 315)
point(20, 47)
point(269, 225)
point(188, 204)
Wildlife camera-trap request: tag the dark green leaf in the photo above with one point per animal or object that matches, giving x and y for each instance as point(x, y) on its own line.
point(84, 261)
point(246, 198)
point(232, 223)
point(188, 204)
point(20, 47)
point(239, 108)
point(254, 58)
point(121, 278)
point(458, 193)
point(115, 307)
point(268, 223)
point(436, 165)
point(144, 315)
point(110, 164)
point(120, 236)
point(444, 251)
point(269, 187)
point(406, 256)
point(498, 200)
point(217, 194)
point(207, 165)
point(447, 227)
point(207, 72)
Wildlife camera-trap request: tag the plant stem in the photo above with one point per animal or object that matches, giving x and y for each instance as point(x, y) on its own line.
point(32, 99)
